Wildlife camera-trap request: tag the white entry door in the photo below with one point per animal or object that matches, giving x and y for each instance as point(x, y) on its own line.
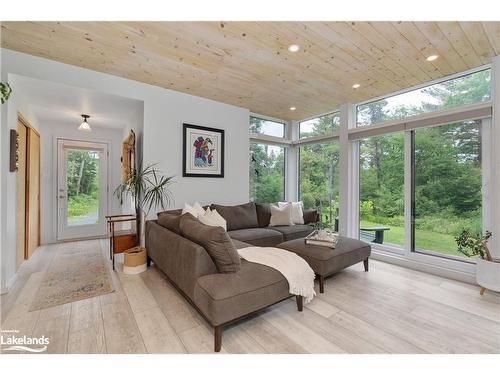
point(82, 189)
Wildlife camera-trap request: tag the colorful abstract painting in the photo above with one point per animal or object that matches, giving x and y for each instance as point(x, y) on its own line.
point(203, 151)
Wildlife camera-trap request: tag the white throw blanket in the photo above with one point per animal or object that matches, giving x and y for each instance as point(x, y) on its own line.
point(299, 275)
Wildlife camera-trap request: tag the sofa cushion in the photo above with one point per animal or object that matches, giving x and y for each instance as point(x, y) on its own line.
point(224, 297)
point(310, 215)
point(281, 215)
point(238, 217)
point(170, 212)
point(215, 240)
point(177, 211)
point(171, 222)
point(294, 231)
point(240, 244)
point(263, 214)
point(257, 236)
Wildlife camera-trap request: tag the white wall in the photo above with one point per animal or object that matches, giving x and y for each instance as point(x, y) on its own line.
point(8, 190)
point(164, 113)
point(49, 133)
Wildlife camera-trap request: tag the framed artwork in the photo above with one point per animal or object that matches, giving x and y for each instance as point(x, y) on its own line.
point(203, 151)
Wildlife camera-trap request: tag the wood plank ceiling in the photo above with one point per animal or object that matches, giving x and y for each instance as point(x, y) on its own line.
point(248, 63)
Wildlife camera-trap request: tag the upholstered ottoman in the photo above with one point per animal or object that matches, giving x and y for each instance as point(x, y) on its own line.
point(326, 261)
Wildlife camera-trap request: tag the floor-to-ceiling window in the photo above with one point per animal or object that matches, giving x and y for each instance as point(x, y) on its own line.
point(319, 179)
point(421, 165)
point(267, 173)
point(447, 183)
point(381, 189)
point(319, 166)
point(267, 161)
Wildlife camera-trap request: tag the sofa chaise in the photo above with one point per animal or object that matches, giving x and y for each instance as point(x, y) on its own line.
point(224, 298)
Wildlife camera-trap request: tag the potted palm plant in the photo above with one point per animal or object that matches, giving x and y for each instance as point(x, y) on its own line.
point(488, 268)
point(148, 188)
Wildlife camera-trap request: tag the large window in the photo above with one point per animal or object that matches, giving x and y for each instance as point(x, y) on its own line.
point(267, 173)
point(319, 179)
point(322, 125)
point(267, 127)
point(468, 89)
point(381, 189)
point(447, 185)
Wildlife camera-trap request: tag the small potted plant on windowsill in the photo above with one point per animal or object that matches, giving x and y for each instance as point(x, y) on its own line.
point(487, 268)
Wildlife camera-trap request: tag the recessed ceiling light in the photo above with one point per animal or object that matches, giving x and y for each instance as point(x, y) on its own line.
point(293, 48)
point(356, 86)
point(292, 108)
point(432, 57)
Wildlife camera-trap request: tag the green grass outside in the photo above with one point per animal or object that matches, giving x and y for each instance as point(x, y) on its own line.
point(81, 205)
point(433, 241)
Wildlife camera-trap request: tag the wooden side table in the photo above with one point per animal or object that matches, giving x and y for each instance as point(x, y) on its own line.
point(120, 240)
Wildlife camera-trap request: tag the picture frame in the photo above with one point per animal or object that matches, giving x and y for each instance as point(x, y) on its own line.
point(202, 151)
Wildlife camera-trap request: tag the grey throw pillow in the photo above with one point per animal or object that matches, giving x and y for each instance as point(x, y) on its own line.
point(171, 222)
point(215, 240)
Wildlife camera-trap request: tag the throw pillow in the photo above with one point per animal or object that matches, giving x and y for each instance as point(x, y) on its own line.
point(213, 218)
point(310, 216)
point(281, 215)
point(297, 211)
point(238, 217)
point(196, 209)
point(215, 240)
point(171, 222)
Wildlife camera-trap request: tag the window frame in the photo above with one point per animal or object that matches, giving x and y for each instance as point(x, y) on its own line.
point(270, 119)
point(418, 87)
point(318, 137)
point(285, 165)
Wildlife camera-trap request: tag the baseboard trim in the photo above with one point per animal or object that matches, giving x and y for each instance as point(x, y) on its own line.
point(400, 260)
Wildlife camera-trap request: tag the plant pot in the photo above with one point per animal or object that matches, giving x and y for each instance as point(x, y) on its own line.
point(488, 274)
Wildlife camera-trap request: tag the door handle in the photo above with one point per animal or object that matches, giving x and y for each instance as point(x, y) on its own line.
point(62, 196)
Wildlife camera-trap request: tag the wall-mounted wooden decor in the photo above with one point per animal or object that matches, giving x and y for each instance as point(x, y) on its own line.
point(128, 156)
point(14, 150)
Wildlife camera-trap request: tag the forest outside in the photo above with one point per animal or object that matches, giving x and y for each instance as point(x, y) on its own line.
point(82, 171)
point(447, 168)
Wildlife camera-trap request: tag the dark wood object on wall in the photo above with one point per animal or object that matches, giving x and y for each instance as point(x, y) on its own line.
point(14, 150)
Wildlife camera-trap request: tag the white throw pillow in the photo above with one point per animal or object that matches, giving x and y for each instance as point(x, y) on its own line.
point(196, 210)
point(281, 215)
point(297, 211)
point(213, 218)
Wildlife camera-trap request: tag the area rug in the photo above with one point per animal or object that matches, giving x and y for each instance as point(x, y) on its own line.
point(76, 272)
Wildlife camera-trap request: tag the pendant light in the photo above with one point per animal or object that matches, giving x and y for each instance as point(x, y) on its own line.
point(84, 126)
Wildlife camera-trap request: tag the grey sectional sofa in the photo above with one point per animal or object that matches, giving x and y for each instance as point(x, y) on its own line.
point(223, 298)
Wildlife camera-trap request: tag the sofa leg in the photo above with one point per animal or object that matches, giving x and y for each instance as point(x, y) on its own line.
point(148, 261)
point(482, 290)
point(365, 263)
point(321, 283)
point(300, 302)
point(217, 338)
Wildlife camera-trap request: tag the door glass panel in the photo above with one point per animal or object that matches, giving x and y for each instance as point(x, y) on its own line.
point(82, 187)
point(381, 189)
point(447, 185)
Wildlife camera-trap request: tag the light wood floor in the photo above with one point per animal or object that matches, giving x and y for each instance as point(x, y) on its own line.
point(387, 310)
